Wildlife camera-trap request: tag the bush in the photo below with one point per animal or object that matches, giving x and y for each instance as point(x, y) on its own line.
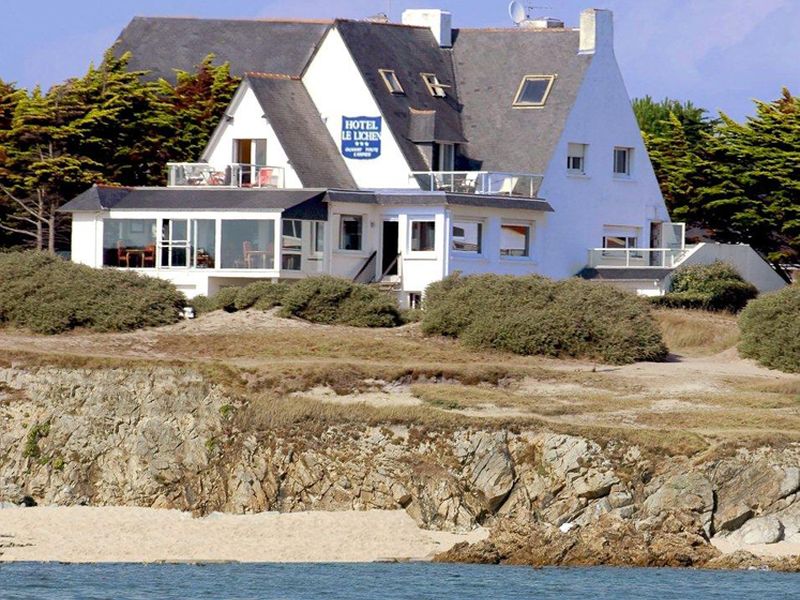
point(202, 305)
point(717, 287)
point(261, 295)
point(47, 294)
point(225, 299)
point(770, 330)
point(533, 315)
point(333, 300)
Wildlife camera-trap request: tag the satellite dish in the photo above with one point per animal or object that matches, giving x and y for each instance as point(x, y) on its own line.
point(517, 12)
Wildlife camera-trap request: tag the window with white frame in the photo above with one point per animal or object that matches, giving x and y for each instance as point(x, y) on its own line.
point(350, 232)
point(392, 82)
point(618, 238)
point(467, 236)
point(444, 157)
point(423, 236)
point(622, 161)
point(435, 87)
point(292, 245)
point(318, 230)
point(515, 240)
point(576, 159)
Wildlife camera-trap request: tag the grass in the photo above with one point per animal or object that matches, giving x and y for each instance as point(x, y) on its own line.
point(696, 332)
point(266, 370)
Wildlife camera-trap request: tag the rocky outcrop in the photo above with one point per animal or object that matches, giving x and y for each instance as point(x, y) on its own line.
point(167, 438)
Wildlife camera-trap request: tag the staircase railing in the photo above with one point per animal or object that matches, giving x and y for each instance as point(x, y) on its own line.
point(392, 264)
point(363, 275)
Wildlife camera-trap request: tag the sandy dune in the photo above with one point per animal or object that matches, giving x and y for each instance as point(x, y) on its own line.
point(125, 534)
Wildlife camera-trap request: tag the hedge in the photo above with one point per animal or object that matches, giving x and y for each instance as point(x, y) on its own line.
point(770, 330)
point(715, 287)
point(47, 294)
point(534, 315)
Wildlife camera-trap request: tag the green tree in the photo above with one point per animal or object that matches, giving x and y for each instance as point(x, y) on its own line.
point(753, 170)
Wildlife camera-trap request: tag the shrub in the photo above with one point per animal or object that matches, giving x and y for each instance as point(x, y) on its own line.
point(533, 315)
point(225, 299)
point(327, 299)
point(261, 295)
point(47, 294)
point(717, 287)
point(202, 305)
point(770, 330)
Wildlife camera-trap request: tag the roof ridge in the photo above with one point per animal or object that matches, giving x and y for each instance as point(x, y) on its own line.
point(261, 75)
point(238, 19)
point(389, 23)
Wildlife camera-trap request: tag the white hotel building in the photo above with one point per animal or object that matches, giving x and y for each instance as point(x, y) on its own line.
point(398, 154)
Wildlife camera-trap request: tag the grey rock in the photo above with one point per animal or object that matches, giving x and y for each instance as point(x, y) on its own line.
point(764, 530)
point(683, 492)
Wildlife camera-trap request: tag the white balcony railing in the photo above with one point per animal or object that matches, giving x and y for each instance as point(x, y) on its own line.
point(479, 182)
point(233, 175)
point(665, 258)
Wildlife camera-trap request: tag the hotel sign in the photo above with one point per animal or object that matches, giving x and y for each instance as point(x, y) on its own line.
point(361, 137)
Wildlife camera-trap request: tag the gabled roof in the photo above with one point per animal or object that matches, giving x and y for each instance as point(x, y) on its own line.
point(490, 65)
point(305, 138)
point(162, 44)
point(409, 52)
point(97, 197)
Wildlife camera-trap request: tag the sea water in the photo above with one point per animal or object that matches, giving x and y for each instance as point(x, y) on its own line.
point(413, 581)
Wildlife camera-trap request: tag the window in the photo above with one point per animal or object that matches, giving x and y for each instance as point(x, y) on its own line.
point(423, 236)
point(615, 241)
point(204, 241)
point(350, 227)
point(515, 240)
point(467, 236)
point(444, 157)
point(414, 300)
point(533, 91)
point(248, 244)
point(175, 243)
point(618, 238)
point(391, 81)
point(292, 245)
point(318, 228)
point(435, 87)
point(129, 243)
point(622, 161)
point(250, 154)
point(576, 159)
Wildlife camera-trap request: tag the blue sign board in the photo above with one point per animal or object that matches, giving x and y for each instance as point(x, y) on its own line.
point(361, 137)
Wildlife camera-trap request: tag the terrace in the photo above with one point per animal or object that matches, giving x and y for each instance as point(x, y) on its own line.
point(237, 175)
point(525, 185)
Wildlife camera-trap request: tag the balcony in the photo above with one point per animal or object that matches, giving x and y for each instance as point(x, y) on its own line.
point(660, 258)
point(234, 175)
point(525, 185)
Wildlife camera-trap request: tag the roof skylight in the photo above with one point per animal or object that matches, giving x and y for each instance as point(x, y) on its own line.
point(391, 81)
point(533, 91)
point(435, 87)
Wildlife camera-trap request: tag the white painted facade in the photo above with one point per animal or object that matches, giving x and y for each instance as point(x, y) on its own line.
point(587, 205)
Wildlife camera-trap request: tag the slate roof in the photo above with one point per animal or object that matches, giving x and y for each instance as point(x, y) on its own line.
point(302, 203)
point(408, 51)
point(490, 65)
point(305, 138)
point(210, 198)
point(162, 44)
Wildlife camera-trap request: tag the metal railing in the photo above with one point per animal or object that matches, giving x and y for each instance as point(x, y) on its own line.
point(233, 175)
point(479, 182)
point(665, 258)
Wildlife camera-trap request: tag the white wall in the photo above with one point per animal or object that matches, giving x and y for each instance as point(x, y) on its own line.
point(338, 89)
point(87, 239)
point(248, 123)
point(602, 117)
point(489, 260)
point(750, 265)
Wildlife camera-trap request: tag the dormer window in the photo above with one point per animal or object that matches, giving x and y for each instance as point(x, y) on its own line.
point(533, 91)
point(435, 87)
point(391, 81)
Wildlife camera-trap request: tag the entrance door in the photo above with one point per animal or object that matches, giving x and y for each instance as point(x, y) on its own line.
point(389, 248)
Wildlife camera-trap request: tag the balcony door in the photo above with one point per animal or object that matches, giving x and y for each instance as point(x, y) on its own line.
point(250, 154)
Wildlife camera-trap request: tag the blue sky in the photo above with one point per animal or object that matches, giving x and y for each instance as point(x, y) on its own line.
point(718, 53)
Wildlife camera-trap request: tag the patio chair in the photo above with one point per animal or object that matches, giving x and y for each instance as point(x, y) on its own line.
point(265, 177)
point(122, 254)
point(149, 256)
